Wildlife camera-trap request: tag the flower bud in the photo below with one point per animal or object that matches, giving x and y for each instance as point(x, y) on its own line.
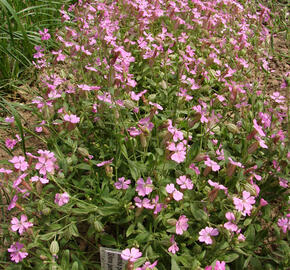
point(232, 128)
point(46, 211)
point(172, 221)
point(206, 171)
point(83, 151)
point(54, 247)
point(99, 227)
point(253, 147)
point(143, 140)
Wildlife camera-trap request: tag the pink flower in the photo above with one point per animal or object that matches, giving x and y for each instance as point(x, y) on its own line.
point(181, 225)
point(263, 202)
point(16, 254)
point(206, 233)
point(258, 128)
point(179, 151)
point(61, 199)
point(12, 202)
point(173, 248)
point(177, 134)
point(143, 203)
point(184, 182)
point(147, 266)
point(20, 225)
point(229, 225)
point(131, 255)
point(9, 119)
point(177, 195)
point(210, 163)
point(135, 96)
point(44, 35)
point(220, 265)
point(238, 164)
point(10, 143)
point(72, 118)
point(19, 163)
point(157, 206)
point(105, 162)
point(195, 168)
point(284, 224)
point(122, 183)
point(244, 205)
point(134, 131)
point(46, 162)
point(40, 179)
point(218, 186)
point(283, 182)
point(144, 188)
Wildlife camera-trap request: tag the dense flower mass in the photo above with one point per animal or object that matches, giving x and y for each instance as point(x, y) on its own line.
point(153, 131)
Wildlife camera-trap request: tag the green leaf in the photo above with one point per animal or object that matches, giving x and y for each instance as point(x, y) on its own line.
point(130, 230)
point(230, 257)
point(110, 200)
point(73, 230)
point(174, 265)
point(108, 210)
point(65, 259)
point(108, 240)
point(83, 166)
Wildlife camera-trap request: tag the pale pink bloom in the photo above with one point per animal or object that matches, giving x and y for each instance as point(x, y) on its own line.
point(179, 151)
point(277, 97)
point(258, 128)
point(229, 225)
point(146, 124)
point(9, 119)
point(19, 179)
point(184, 182)
point(61, 199)
point(144, 188)
point(241, 237)
point(134, 131)
point(72, 118)
point(122, 183)
point(263, 202)
point(177, 134)
point(244, 205)
point(238, 164)
point(284, 224)
point(266, 119)
point(157, 106)
point(20, 225)
point(135, 96)
point(44, 35)
point(195, 168)
point(46, 162)
point(147, 266)
point(173, 248)
point(177, 195)
point(206, 233)
point(105, 162)
point(6, 171)
point(131, 255)
point(10, 143)
point(106, 97)
point(40, 179)
point(283, 182)
point(261, 142)
point(143, 203)
point(16, 255)
point(181, 225)
point(220, 265)
point(157, 206)
point(218, 186)
point(12, 202)
point(210, 163)
point(19, 163)
point(60, 57)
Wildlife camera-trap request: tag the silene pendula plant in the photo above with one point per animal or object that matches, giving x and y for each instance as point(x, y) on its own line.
point(158, 138)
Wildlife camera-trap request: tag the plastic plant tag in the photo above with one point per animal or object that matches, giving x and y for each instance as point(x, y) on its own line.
point(111, 259)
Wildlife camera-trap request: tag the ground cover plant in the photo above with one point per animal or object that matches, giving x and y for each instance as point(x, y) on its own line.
point(158, 137)
point(20, 24)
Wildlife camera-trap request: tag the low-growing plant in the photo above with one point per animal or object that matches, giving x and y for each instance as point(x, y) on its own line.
point(162, 140)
